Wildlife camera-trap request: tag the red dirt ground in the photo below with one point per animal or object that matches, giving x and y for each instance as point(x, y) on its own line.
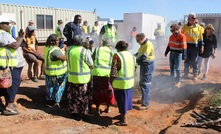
point(170, 108)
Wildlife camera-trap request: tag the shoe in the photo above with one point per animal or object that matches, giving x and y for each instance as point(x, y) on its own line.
point(178, 84)
point(204, 77)
point(35, 79)
point(142, 107)
point(199, 73)
point(120, 123)
point(139, 101)
point(42, 77)
point(195, 77)
point(56, 105)
point(10, 110)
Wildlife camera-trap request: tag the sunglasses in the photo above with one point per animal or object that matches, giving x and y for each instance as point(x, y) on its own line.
point(172, 30)
point(193, 18)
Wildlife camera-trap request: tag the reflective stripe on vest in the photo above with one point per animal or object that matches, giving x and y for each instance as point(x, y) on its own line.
point(125, 79)
point(109, 33)
point(78, 70)
point(102, 62)
point(10, 53)
point(53, 68)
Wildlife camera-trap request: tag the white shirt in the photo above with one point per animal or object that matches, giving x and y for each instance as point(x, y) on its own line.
point(5, 39)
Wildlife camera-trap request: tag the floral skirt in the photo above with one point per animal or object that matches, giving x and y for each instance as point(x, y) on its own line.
point(55, 87)
point(78, 98)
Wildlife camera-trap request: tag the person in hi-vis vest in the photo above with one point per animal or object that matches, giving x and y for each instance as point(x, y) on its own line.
point(102, 89)
point(108, 31)
point(79, 65)
point(10, 50)
point(122, 77)
point(55, 71)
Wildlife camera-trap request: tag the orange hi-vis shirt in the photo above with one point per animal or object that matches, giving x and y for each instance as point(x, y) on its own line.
point(177, 42)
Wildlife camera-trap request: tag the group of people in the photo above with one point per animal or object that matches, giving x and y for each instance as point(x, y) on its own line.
point(89, 77)
point(101, 75)
point(192, 43)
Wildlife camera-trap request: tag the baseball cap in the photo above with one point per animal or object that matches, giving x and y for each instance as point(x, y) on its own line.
point(110, 21)
point(31, 28)
point(60, 21)
point(4, 19)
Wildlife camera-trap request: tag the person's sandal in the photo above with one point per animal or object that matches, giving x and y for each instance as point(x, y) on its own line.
point(10, 112)
point(35, 79)
point(42, 77)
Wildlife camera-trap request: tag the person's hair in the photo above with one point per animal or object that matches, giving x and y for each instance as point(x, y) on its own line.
point(121, 46)
point(51, 40)
point(30, 33)
point(78, 40)
point(76, 17)
point(95, 22)
point(174, 27)
point(86, 44)
point(105, 42)
point(140, 36)
point(209, 26)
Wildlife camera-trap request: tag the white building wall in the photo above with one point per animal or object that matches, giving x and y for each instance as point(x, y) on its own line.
point(25, 13)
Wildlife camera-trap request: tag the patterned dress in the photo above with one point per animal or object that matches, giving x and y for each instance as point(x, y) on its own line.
point(55, 87)
point(78, 98)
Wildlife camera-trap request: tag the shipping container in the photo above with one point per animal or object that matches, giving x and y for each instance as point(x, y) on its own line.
point(45, 18)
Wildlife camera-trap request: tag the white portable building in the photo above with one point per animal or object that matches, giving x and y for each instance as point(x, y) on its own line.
point(45, 18)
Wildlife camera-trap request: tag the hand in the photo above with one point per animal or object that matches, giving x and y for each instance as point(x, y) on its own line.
point(213, 56)
point(201, 50)
point(21, 33)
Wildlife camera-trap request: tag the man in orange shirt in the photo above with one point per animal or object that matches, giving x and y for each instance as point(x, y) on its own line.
point(177, 47)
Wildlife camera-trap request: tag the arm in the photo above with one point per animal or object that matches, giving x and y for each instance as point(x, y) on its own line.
point(116, 65)
point(19, 39)
point(89, 59)
point(167, 51)
point(100, 35)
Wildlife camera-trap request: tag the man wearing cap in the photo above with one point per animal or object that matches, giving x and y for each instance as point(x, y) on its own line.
point(13, 29)
point(194, 37)
point(108, 31)
point(177, 48)
point(15, 62)
point(59, 32)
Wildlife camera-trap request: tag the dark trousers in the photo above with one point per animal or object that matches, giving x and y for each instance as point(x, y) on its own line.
point(191, 60)
point(16, 81)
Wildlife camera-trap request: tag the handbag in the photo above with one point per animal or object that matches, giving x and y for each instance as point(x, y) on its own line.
point(5, 76)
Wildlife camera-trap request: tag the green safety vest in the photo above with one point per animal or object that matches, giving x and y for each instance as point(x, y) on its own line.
point(78, 70)
point(57, 32)
point(125, 79)
point(9, 53)
point(110, 33)
point(53, 68)
point(102, 62)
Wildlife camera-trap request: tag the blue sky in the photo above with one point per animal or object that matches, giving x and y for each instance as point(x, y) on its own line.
point(170, 9)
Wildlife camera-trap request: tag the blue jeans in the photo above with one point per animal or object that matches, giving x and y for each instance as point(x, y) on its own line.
point(175, 62)
point(191, 60)
point(146, 71)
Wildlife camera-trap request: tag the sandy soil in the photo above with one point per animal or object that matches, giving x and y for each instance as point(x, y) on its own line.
point(170, 108)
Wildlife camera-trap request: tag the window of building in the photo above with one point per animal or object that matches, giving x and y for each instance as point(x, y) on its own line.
point(44, 22)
